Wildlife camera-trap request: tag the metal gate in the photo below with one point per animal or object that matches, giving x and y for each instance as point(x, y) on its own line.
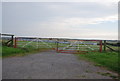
point(59, 45)
point(79, 46)
point(34, 43)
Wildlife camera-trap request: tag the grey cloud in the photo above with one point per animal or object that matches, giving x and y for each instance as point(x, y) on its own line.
point(23, 18)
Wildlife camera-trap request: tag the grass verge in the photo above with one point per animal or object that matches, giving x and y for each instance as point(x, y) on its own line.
point(9, 51)
point(105, 59)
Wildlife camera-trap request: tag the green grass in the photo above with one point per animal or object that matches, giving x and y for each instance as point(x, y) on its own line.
point(108, 59)
point(0, 51)
point(10, 51)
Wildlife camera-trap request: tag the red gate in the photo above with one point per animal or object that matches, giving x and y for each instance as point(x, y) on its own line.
point(79, 46)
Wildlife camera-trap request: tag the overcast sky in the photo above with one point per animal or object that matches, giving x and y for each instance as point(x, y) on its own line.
point(93, 20)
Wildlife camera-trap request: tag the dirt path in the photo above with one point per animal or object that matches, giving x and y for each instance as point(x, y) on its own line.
point(50, 65)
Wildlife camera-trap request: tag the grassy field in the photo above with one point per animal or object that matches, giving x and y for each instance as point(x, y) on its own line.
point(108, 59)
point(9, 51)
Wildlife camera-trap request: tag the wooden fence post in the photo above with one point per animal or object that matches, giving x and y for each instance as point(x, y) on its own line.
point(57, 45)
point(104, 45)
point(100, 45)
point(15, 43)
point(12, 39)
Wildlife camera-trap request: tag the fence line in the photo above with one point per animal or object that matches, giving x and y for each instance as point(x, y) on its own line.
point(59, 43)
point(7, 39)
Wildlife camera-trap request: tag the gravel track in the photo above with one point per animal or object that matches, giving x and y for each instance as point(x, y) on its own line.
point(50, 65)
